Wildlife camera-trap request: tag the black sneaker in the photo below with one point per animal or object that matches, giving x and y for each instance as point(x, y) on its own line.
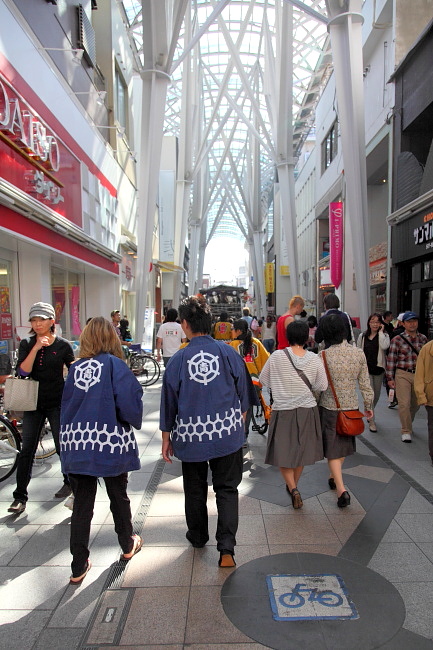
point(193, 542)
point(393, 404)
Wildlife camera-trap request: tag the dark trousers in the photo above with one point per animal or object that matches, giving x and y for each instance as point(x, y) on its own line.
point(226, 476)
point(32, 425)
point(429, 410)
point(84, 489)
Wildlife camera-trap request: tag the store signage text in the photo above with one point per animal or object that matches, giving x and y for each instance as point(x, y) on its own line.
point(26, 130)
point(33, 157)
point(424, 234)
point(336, 241)
point(37, 184)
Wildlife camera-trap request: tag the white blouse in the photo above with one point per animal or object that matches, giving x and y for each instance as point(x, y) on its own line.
point(289, 391)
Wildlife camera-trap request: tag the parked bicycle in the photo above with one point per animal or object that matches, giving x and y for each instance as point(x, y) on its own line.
point(144, 366)
point(10, 444)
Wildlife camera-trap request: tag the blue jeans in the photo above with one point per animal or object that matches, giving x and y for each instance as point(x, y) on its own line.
point(32, 425)
point(226, 476)
point(269, 344)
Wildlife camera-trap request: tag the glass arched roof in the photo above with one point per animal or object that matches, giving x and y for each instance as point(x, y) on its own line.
point(233, 62)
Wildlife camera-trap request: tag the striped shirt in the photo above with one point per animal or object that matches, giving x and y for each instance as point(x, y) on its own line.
point(401, 355)
point(289, 391)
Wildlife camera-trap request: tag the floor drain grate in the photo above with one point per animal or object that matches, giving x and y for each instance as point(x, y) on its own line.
point(115, 577)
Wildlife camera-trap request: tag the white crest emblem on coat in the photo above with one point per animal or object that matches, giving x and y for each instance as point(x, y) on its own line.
point(203, 367)
point(87, 374)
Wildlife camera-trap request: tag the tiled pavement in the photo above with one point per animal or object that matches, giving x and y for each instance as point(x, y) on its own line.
point(172, 596)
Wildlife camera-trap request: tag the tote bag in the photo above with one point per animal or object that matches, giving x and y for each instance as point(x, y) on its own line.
point(20, 394)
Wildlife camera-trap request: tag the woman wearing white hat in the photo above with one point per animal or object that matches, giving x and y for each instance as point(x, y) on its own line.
point(41, 356)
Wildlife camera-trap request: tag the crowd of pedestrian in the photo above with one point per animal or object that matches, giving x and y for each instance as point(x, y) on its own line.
point(214, 373)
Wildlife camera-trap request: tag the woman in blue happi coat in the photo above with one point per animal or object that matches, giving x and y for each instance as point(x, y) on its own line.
point(101, 403)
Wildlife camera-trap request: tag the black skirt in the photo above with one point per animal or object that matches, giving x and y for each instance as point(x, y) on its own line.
point(335, 446)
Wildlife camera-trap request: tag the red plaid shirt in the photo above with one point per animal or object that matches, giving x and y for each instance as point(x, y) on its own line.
point(401, 355)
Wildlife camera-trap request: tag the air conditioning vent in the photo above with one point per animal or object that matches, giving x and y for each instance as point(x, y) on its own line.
point(86, 37)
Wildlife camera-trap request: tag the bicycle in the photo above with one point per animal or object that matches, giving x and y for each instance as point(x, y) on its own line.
point(144, 366)
point(261, 415)
point(10, 444)
point(10, 447)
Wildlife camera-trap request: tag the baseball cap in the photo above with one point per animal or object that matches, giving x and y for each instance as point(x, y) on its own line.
point(115, 311)
point(42, 310)
point(409, 315)
point(400, 316)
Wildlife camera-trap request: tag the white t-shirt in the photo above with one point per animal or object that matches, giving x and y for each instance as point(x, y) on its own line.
point(171, 335)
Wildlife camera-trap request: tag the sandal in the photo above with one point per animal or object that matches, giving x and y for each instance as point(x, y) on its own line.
point(226, 559)
point(79, 579)
point(297, 502)
point(136, 547)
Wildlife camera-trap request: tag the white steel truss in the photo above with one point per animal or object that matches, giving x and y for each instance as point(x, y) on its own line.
point(237, 82)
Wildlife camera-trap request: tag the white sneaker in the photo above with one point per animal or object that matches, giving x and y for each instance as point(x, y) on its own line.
point(69, 503)
point(406, 437)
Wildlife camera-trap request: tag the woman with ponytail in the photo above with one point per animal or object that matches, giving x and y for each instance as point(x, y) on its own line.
point(253, 353)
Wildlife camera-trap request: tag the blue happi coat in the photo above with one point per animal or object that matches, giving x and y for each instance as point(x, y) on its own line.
point(204, 394)
point(101, 403)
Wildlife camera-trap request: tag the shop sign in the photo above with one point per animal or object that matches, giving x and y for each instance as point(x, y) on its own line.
point(378, 273)
point(284, 270)
point(423, 234)
point(269, 278)
point(34, 159)
point(336, 241)
point(6, 326)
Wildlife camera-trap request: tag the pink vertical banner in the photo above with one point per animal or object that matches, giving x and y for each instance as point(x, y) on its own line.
point(336, 241)
point(75, 310)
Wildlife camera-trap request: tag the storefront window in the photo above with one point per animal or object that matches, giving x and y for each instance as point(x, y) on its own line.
point(428, 314)
point(6, 329)
point(66, 297)
point(428, 270)
point(378, 299)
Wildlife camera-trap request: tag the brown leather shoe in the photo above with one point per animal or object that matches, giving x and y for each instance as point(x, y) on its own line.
point(17, 507)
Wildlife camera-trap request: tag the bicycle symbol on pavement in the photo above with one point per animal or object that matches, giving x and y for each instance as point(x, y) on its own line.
point(294, 599)
point(309, 597)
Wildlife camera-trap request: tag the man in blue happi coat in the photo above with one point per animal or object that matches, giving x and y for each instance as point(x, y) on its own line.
point(205, 395)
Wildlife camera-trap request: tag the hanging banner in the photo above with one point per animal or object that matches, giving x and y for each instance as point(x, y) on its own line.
point(336, 241)
point(269, 278)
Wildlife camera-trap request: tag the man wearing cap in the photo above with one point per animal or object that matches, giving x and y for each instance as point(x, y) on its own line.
point(400, 370)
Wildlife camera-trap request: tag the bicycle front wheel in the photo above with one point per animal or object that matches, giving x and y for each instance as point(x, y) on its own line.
point(260, 424)
point(146, 369)
point(46, 446)
point(10, 446)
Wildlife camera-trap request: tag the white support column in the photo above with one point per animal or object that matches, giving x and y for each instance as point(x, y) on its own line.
point(184, 168)
point(152, 120)
point(285, 161)
point(345, 28)
point(279, 100)
point(157, 52)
